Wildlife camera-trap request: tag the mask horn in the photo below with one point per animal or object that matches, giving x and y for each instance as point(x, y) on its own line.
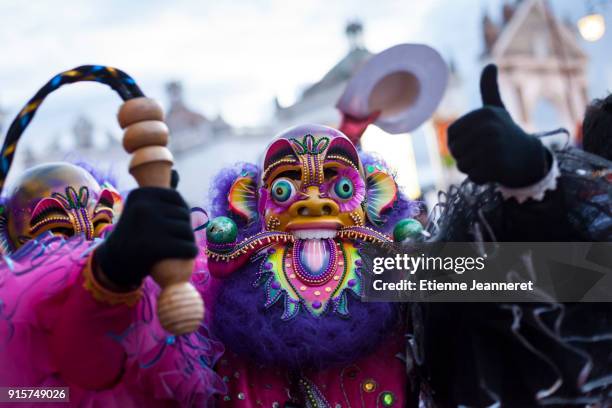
point(397, 90)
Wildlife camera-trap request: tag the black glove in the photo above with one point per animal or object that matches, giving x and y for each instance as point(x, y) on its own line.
point(489, 147)
point(154, 225)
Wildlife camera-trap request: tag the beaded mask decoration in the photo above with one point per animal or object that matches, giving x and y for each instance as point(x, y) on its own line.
point(58, 198)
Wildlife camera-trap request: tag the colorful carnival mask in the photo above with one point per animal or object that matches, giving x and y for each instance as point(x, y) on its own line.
point(313, 185)
point(314, 200)
point(59, 198)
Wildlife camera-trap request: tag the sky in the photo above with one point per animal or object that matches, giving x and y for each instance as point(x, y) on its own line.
point(233, 57)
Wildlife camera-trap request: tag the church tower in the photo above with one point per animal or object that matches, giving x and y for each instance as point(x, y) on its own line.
point(542, 66)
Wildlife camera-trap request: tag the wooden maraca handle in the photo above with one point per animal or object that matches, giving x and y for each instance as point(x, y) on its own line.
point(179, 307)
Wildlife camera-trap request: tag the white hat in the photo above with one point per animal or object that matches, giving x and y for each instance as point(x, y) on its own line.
point(405, 82)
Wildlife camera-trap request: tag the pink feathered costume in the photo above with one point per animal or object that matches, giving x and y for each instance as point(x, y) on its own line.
point(53, 333)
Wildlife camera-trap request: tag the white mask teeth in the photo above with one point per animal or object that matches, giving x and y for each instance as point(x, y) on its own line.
point(314, 233)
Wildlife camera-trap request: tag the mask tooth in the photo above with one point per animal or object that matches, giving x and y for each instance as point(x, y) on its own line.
point(315, 234)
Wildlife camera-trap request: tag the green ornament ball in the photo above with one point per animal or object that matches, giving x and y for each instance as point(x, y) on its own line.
point(408, 228)
point(387, 398)
point(221, 230)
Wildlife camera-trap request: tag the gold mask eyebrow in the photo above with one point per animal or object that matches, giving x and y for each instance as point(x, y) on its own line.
point(286, 160)
point(341, 159)
point(103, 211)
point(49, 212)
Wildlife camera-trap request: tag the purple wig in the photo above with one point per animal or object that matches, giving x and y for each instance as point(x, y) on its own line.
point(100, 176)
point(246, 327)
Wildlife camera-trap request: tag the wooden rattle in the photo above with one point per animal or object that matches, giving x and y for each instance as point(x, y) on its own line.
point(179, 307)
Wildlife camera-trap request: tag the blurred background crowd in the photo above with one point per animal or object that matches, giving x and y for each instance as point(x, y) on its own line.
point(233, 74)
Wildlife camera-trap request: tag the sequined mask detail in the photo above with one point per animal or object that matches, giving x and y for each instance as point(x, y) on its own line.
point(310, 152)
point(75, 212)
point(314, 261)
point(315, 275)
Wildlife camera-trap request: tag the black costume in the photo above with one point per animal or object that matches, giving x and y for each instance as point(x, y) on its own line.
point(521, 354)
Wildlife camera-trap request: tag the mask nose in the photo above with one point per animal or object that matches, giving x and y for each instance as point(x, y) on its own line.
point(314, 205)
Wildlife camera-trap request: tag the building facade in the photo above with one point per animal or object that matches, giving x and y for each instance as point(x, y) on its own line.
point(543, 69)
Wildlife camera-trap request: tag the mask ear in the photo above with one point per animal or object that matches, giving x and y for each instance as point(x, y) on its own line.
point(381, 193)
point(242, 197)
point(5, 246)
point(117, 199)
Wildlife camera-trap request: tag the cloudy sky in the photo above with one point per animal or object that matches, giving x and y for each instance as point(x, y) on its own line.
point(233, 57)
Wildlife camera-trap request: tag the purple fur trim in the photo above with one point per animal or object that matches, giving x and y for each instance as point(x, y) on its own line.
point(246, 327)
point(219, 190)
point(100, 176)
point(403, 207)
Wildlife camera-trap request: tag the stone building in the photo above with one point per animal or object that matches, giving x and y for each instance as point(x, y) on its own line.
point(189, 128)
point(317, 102)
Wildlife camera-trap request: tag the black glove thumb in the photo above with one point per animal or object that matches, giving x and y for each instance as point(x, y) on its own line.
point(489, 90)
